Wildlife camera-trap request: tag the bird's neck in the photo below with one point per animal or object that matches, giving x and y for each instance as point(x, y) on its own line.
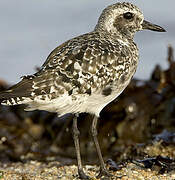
point(114, 34)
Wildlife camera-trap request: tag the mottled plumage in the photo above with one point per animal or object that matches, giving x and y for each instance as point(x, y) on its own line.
point(79, 71)
point(87, 72)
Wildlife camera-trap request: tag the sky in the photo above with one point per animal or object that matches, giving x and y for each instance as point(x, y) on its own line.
point(30, 30)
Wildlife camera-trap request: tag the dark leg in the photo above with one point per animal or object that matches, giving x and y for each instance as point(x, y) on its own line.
point(103, 170)
point(77, 148)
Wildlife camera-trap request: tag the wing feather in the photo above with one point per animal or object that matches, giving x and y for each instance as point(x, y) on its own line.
point(77, 66)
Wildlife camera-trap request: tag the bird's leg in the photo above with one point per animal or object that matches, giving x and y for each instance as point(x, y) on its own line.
point(76, 133)
point(103, 170)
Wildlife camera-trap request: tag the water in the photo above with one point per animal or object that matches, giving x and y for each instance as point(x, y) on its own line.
point(30, 30)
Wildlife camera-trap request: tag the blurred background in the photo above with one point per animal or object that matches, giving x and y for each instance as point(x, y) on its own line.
point(30, 30)
point(139, 124)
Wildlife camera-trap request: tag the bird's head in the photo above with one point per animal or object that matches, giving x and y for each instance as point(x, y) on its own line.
point(124, 19)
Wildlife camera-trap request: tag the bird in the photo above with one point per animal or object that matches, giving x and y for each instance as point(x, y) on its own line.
point(86, 73)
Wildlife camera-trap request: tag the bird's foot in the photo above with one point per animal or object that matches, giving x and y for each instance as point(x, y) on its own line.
point(105, 173)
point(82, 175)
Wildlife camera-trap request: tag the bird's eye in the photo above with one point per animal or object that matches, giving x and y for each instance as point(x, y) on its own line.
point(128, 15)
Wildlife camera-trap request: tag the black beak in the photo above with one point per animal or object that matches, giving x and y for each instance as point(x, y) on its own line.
point(152, 27)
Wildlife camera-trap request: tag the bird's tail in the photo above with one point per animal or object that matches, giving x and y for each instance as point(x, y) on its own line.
point(17, 94)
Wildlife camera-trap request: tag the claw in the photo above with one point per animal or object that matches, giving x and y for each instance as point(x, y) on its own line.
point(104, 172)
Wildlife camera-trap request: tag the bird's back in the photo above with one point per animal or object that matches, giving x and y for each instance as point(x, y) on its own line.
point(83, 73)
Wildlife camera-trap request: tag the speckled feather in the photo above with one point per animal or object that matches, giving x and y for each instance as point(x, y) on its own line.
point(85, 73)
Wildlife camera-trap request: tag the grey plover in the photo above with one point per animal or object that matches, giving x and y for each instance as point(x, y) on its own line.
point(86, 73)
